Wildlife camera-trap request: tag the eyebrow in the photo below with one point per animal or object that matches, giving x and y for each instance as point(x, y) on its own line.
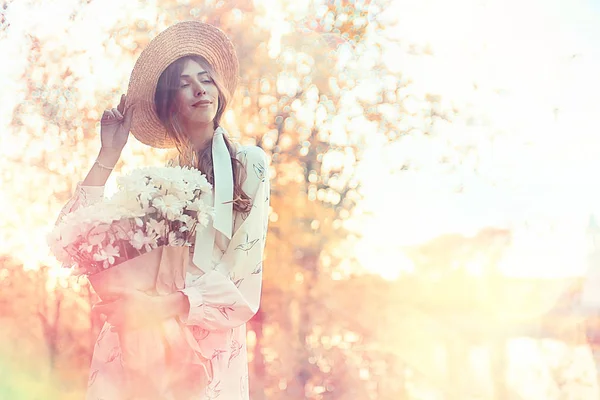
point(199, 73)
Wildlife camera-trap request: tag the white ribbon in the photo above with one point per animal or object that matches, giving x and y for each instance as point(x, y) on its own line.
point(222, 200)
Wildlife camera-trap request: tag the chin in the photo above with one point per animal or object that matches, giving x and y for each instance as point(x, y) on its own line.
point(200, 123)
point(203, 121)
point(200, 118)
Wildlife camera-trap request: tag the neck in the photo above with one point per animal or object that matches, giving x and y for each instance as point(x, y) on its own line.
point(200, 135)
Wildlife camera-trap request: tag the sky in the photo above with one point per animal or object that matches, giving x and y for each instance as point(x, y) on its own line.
point(536, 166)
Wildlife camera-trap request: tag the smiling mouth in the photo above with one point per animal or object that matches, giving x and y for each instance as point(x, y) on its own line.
point(201, 104)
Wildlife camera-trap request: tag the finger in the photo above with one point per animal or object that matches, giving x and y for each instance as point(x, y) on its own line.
point(117, 113)
point(112, 315)
point(128, 117)
point(99, 309)
point(115, 320)
point(103, 308)
point(103, 303)
point(120, 319)
point(108, 116)
point(121, 106)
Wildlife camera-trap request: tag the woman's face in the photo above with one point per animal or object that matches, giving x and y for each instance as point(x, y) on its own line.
point(197, 97)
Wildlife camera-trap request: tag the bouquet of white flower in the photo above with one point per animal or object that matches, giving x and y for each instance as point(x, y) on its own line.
point(155, 206)
point(138, 240)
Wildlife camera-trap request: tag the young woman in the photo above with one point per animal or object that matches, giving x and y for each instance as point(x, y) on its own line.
point(179, 88)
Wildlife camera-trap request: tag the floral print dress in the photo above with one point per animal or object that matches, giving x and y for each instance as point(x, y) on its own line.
point(221, 300)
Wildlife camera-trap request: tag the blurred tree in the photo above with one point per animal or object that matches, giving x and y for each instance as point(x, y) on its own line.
point(307, 110)
point(48, 345)
point(314, 93)
point(463, 272)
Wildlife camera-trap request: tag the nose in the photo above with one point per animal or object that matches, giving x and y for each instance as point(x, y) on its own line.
point(199, 90)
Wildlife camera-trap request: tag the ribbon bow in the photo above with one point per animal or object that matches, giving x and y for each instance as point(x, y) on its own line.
point(222, 202)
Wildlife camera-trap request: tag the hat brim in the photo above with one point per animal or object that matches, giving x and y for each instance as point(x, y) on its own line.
point(179, 40)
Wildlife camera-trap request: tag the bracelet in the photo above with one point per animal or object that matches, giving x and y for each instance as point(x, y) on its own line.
point(104, 166)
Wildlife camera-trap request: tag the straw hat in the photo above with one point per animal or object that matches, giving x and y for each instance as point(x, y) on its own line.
point(182, 39)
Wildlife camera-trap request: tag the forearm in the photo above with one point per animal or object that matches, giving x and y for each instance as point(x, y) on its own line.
point(173, 305)
point(216, 303)
point(97, 176)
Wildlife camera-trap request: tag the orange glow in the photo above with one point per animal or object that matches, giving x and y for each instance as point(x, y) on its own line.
point(476, 129)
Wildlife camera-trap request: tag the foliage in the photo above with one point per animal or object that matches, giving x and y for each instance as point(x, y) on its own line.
point(316, 90)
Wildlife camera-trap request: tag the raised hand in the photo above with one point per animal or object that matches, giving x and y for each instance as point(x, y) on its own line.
point(114, 127)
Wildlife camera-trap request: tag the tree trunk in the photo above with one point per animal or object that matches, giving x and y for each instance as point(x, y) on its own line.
point(498, 363)
point(50, 324)
point(458, 368)
point(258, 368)
point(303, 370)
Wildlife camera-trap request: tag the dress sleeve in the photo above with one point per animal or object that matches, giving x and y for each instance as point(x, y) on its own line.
point(83, 196)
point(229, 295)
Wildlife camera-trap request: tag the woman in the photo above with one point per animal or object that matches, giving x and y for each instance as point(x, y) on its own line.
point(178, 91)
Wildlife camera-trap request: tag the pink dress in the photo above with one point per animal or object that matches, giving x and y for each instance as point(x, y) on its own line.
point(221, 301)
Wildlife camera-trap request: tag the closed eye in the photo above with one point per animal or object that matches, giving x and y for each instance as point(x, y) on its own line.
point(187, 84)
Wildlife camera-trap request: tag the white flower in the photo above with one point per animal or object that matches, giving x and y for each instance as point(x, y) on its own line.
point(122, 229)
point(100, 213)
point(204, 211)
point(86, 247)
point(169, 205)
point(146, 194)
point(68, 234)
point(173, 240)
point(147, 199)
point(203, 219)
point(139, 240)
point(197, 205)
point(185, 195)
point(198, 181)
point(57, 248)
point(133, 181)
point(187, 222)
point(108, 253)
point(97, 235)
point(157, 227)
point(126, 200)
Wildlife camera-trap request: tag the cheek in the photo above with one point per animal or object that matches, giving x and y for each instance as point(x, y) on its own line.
point(215, 95)
point(180, 102)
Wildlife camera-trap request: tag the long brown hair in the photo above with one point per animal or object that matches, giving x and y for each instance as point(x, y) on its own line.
point(164, 99)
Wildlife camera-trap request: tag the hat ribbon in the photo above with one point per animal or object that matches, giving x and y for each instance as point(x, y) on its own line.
point(223, 202)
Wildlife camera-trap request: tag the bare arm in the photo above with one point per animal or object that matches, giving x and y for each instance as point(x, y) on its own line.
point(114, 130)
point(98, 175)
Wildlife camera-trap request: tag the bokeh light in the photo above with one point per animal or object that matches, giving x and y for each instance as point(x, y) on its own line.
point(434, 172)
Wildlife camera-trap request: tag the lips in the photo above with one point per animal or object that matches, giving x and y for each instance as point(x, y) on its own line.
point(201, 103)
